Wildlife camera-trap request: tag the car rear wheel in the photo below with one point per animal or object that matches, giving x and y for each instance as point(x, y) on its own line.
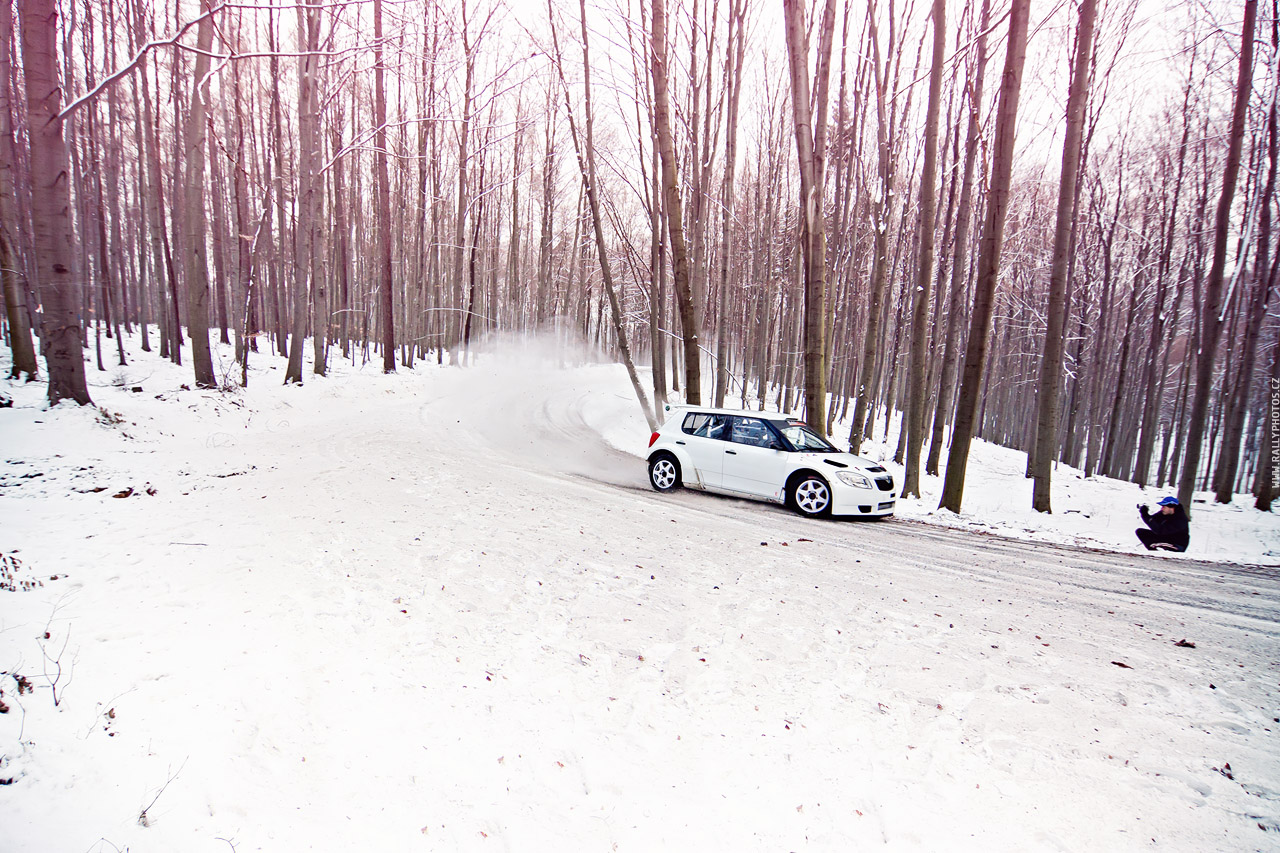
point(811, 496)
point(664, 472)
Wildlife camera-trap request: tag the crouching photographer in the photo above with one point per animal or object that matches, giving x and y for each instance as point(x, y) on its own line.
point(1168, 529)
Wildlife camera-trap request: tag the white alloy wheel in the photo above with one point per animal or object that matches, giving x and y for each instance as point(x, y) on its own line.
point(811, 496)
point(664, 473)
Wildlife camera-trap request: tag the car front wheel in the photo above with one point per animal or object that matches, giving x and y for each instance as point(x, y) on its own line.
point(811, 496)
point(664, 472)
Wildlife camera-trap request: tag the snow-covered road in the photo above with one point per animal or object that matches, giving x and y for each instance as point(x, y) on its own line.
point(444, 612)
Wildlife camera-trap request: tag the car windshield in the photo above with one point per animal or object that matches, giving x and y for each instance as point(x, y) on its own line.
point(804, 439)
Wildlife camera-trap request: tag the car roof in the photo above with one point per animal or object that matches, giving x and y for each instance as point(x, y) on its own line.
point(671, 410)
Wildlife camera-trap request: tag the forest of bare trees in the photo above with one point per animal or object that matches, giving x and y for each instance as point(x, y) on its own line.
point(1045, 226)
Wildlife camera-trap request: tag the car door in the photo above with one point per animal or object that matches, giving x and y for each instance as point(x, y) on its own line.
point(704, 440)
point(754, 461)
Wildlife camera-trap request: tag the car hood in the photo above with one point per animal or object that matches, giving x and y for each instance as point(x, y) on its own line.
point(844, 461)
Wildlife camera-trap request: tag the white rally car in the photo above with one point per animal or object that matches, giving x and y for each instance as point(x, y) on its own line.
point(765, 455)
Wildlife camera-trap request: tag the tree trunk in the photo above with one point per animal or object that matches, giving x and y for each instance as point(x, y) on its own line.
point(161, 250)
point(106, 269)
point(142, 226)
point(1211, 326)
point(15, 302)
point(690, 324)
point(736, 52)
point(811, 133)
point(882, 211)
point(218, 206)
point(311, 198)
point(305, 197)
point(383, 191)
point(197, 267)
point(242, 288)
point(51, 205)
point(543, 295)
point(657, 286)
point(1051, 364)
point(584, 146)
point(113, 193)
point(919, 378)
point(1264, 282)
point(460, 219)
point(988, 258)
point(1265, 485)
point(960, 253)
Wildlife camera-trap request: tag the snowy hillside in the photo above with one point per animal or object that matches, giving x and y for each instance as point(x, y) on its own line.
point(441, 610)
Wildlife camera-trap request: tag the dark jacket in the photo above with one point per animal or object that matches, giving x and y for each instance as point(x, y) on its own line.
point(1174, 529)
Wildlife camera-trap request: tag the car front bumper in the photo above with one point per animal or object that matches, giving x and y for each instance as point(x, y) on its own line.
point(850, 500)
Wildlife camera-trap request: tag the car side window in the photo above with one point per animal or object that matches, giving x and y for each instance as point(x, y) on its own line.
point(706, 426)
point(752, 431)
point(804, 439)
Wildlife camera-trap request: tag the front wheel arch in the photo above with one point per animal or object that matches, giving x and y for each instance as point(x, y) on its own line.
point(809, 494)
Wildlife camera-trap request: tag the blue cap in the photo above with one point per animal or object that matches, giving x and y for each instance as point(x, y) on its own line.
point(1169, 501)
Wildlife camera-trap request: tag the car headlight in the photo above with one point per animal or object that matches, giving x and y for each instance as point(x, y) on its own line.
point(851, 478)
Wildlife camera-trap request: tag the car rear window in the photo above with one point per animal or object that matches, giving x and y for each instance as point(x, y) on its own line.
point(705, 425)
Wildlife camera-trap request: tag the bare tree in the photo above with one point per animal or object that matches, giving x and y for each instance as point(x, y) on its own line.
point(15, 301)
point(690, 324)
point(1264, 282)
point(1264, 487)
point(584, 146)
point(988, 258)
point(382, 191)
point(809, 113)
point(735, 54)
point(1045, 453)
point(919, 380)
point(311, 189)
point(881, 212)
point(197, 266)
point(304, 232)
point(1265, 482)
point(1155, 369)
point(1211, 326)
point(51, 204)
point(960, 252)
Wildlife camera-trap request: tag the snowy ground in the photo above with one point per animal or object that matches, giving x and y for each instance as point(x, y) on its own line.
point(442, 611)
